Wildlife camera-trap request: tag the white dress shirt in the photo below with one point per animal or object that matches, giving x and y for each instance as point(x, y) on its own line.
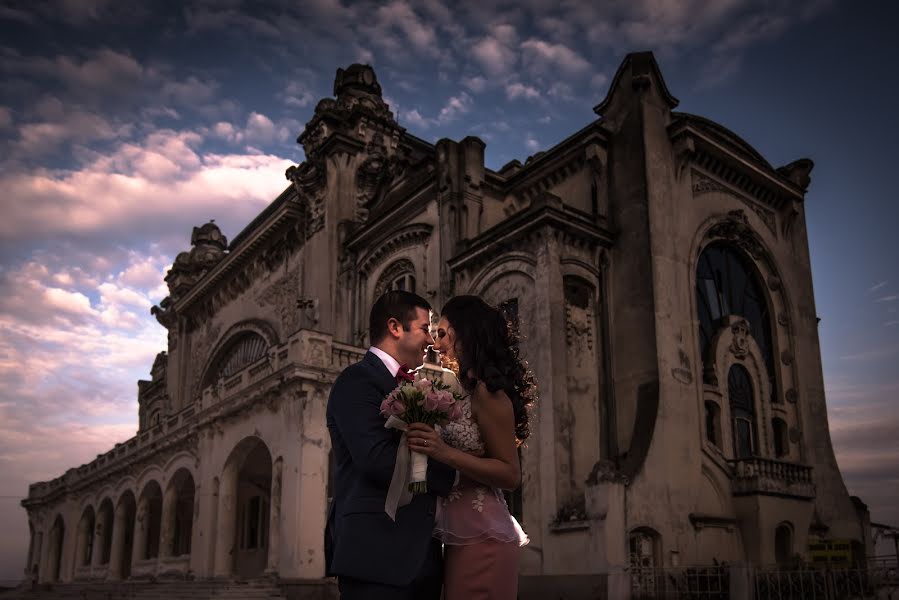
point(391, 363)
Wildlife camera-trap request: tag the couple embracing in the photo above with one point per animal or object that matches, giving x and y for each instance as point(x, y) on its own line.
point(458, 536)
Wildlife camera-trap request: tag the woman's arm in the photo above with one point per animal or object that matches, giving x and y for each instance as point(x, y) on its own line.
point(496, 420)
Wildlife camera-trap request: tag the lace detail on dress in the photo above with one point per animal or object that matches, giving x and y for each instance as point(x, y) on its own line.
point(473, 512)
point(464, 433)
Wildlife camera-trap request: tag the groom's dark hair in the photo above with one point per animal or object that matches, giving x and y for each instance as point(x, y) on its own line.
point(395, 304)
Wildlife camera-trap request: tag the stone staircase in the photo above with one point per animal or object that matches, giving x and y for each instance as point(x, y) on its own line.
point(235, 589)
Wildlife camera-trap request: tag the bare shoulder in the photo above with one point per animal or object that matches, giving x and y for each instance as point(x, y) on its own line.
point(490, 405)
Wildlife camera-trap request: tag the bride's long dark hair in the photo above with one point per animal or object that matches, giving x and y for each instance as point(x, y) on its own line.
point(487, 350)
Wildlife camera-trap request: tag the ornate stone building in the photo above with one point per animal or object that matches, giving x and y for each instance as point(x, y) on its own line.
point(657, 268)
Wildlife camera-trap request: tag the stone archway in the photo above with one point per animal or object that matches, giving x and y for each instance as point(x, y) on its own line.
point(178, 512)
point(57, 538)
point(123, 537)
point(103, 533)
point(148, 524)
point(244, 509)
point(84, 538)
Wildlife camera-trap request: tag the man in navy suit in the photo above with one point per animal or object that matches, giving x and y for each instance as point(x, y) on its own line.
point(373, 556)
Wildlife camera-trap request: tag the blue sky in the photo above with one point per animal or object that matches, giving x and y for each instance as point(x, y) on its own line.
point(122, 126)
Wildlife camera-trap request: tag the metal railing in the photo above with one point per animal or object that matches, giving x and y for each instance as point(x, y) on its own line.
point(875, 579)
point(699, 583)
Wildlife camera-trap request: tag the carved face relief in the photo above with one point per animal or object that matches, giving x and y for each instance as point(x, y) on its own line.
point(740, 345)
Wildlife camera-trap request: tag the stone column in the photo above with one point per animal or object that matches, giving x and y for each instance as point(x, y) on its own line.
point(274, 527)
point(99, 543)
point(52, 555)
point(225, 544)
point(169, 505)
point(548, 362)
point(30, 558)
point(118, 543)
point(41, 556)
point(80, 543)
point(140, 531)
point(311, 503)
point(605, 504)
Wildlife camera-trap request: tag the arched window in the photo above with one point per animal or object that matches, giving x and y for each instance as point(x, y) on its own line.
point(727, 284)
point(781, 439)
point(240, 353)
point(644, 552)
point(399, 275)
point(713, 423)
point(742, 411)
point(403, 283)
point(783, 544)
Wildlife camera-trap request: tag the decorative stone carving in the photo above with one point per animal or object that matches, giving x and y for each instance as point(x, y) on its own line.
point(317, 354)
point(283, 295)
point(786, 357)
point(373, 176)
point(740, 345)
point(792, 396)
point(735, 229)
point(202, 345)
point(684, 151)
point(704, 185)
point(605, 471)
point(309, 180)
point(798, 172)
point(411, 236)
point(209, 246)
point(683, 373)
point(396, 269)
point(579, 328)
point(309, 306)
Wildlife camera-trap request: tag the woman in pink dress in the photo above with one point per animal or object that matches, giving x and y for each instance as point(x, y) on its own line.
point(481, 539)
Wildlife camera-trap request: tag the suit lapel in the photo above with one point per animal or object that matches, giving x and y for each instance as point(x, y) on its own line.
point(385, 381)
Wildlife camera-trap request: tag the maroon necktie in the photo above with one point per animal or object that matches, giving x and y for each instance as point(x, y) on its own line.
point(403, 374)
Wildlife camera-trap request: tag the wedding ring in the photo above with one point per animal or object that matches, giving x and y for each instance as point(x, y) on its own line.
point(426, 442)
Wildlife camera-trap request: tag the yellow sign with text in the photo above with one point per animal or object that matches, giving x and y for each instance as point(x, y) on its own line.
point(830, 552)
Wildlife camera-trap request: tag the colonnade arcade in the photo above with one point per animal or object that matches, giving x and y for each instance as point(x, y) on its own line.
point(145, 526)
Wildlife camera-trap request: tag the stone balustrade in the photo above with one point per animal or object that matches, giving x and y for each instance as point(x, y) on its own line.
point(304, 349)
point(767, 476)
point(41, 491)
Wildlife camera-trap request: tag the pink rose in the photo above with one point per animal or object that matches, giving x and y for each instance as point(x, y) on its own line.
point(395, 407)
point(445, 401)
point(432, 400)
point(456, 412)
point(423, 385)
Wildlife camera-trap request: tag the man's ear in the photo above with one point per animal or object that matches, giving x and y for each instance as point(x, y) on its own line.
point(394, 327)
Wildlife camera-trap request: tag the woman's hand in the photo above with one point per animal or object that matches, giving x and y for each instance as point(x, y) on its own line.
point(422, 438)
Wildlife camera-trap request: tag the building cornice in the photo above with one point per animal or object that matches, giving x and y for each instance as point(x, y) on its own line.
point(545, 211)
point(384, 245)
point(285, 216)
point(731, 163)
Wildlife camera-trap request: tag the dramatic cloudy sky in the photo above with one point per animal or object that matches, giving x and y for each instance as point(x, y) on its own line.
point(122, 126)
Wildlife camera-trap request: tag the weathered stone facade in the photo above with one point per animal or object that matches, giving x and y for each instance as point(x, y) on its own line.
point(681, 415)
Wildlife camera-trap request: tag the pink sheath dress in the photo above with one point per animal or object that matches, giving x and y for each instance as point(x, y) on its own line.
point(481, 538)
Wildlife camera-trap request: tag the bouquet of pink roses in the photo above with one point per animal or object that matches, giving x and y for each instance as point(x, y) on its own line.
point(422, 401)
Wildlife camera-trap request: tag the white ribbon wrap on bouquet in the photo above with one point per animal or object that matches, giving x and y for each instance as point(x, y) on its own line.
point(398, 493)
point(419, 470)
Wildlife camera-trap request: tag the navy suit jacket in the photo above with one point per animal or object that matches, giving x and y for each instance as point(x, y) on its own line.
point(361, 541)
